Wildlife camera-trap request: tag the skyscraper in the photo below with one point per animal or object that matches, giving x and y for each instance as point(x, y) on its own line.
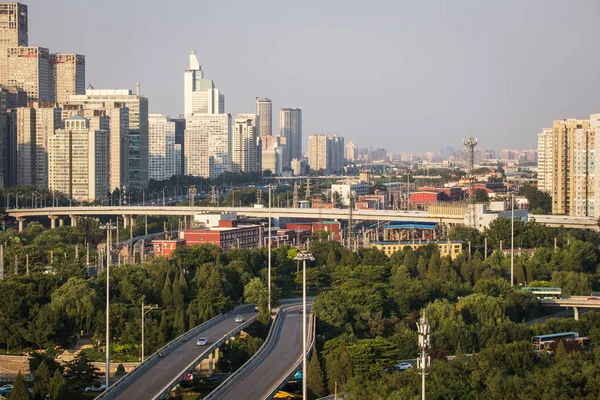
point(137, 130)
point(244, 145)
point(573, 162)
point(326, 153)
point(200, 94)
point(264, 111)
point(13, 33)
point(179, 141)
point(67, 74)
point(351, 151)
point(29, 69)
point(10, 99)
point(545, 160)
point(290, 121)
point(161, 147)
point(207, 141)
point(78, 160)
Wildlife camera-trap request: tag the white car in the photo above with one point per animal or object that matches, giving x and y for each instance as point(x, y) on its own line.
point(99, 388)
point(404, 366)
point(201, 341)
point(239, 319)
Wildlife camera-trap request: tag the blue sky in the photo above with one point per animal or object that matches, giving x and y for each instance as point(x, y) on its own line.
point(403, 75)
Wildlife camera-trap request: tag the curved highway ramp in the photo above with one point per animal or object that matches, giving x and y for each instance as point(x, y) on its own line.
point(156, 376)
point(274, 364)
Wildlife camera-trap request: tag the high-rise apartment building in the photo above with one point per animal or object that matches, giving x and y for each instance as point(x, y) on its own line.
point(264, 111)
point(10, 99)
point(545, 160)
point(137, 130)
point(13, 33)
point(161, 148)
point(326, 153)
point(25, 146)
point(573, 162)
point(272, 160)
point(207, 141)
point(78, 160)
point(180, 141)
point(244, 145)
point(351, 151)
point(67, 74)
point(290, 121)
point(200, 94)
point(29, 69)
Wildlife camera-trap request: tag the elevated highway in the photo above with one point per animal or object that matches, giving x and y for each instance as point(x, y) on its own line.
point(574, 302)
point(157, 375)
point(274, 364)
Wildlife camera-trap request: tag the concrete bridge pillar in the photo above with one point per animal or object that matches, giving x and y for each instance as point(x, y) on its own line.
point(21, 222)
point(210, 364)
point(73, 221)
point(61, 222)
point(126, 219)
point(216, 355)
point(52, 221)
point(132, 220)
point(576, 313)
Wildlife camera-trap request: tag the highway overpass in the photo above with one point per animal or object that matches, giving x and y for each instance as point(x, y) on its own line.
point(274, 364)
point(157, 375)
point(574, 302)
point(127, 212)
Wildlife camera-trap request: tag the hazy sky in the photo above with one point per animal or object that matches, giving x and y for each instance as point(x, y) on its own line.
point(403, 75)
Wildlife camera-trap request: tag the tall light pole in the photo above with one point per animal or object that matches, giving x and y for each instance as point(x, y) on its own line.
point(163, 192)
point(304, 255)
point(108, 228)
point(423, 362)
point(192, 193)
point(512, 239)
point(145, 310)
point(269, 268)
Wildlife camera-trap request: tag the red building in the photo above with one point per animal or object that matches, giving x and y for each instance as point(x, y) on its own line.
point(165, 247)
point(227, 236)
point(421, 200)
point(328, 226)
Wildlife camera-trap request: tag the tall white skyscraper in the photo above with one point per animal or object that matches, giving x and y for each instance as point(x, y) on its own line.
point(206, 148)
point(264, 111)
point(244, 145)
point(13, 33)
point(290, 121)
point(67, 74)
point(161, 147)
point(78, 160)
point(200, 94)
point(351, 151)
point(545, 160)
point(29, 69)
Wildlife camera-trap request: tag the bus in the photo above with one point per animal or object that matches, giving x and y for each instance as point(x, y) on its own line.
point(541, 342)
point(544, 293)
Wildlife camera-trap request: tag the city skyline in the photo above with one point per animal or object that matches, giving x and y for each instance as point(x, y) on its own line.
point(432, 82)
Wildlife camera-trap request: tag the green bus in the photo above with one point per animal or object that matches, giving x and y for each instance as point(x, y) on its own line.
point(544, 293)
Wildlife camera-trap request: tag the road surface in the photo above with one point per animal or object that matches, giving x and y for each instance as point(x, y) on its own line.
point(162, 373)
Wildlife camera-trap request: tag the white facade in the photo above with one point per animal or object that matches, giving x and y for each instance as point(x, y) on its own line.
point(345, 189)
point(161, 147)
point(13, 33)
point(244, 145)
point(351, 151)
point(545, 160)
point(67, 72)
point(272, 160)
point(206, 147)
point(200, 94)
point(78, 160)
point(29, 69)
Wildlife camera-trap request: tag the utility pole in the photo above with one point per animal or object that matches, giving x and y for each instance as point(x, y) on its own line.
point(304, 255)
point(423, 362)
point(108, 228)
point(512, 240)
point(145, 310)
point(1, 262)
point(269, 269)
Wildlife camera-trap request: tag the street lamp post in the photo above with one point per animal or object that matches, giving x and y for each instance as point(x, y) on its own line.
point(269, 269)
point(108, 228)
point(304, 255)
point(145, 310)
point(512, 239)
point(192, 196)
point(163, 193)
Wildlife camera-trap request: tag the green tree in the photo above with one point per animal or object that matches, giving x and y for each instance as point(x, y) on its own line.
point(75, 300)
point(120, 372)
point(256, 292)
point(81, 372)
point(19, 391)
point(481, 196)
point(58, 387)
point(315, 380)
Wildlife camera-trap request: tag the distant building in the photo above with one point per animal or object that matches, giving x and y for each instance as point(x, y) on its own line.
point(13, 33)
point(200, 94)
point(244, 145)
point(161, 147)
point(166, 247)
point(345, 189)
point(351, 151)
point(299, 167)
point(272, 160)
point(290, 120)
point(326, 153)
point(67, 76)
point(227, 236)
point(207, 141)
point(10, 99)
point(179, 140)
point(446, 248)
point(78, 160)
point(545, 160)
point(264, 111)
point(29, 69)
